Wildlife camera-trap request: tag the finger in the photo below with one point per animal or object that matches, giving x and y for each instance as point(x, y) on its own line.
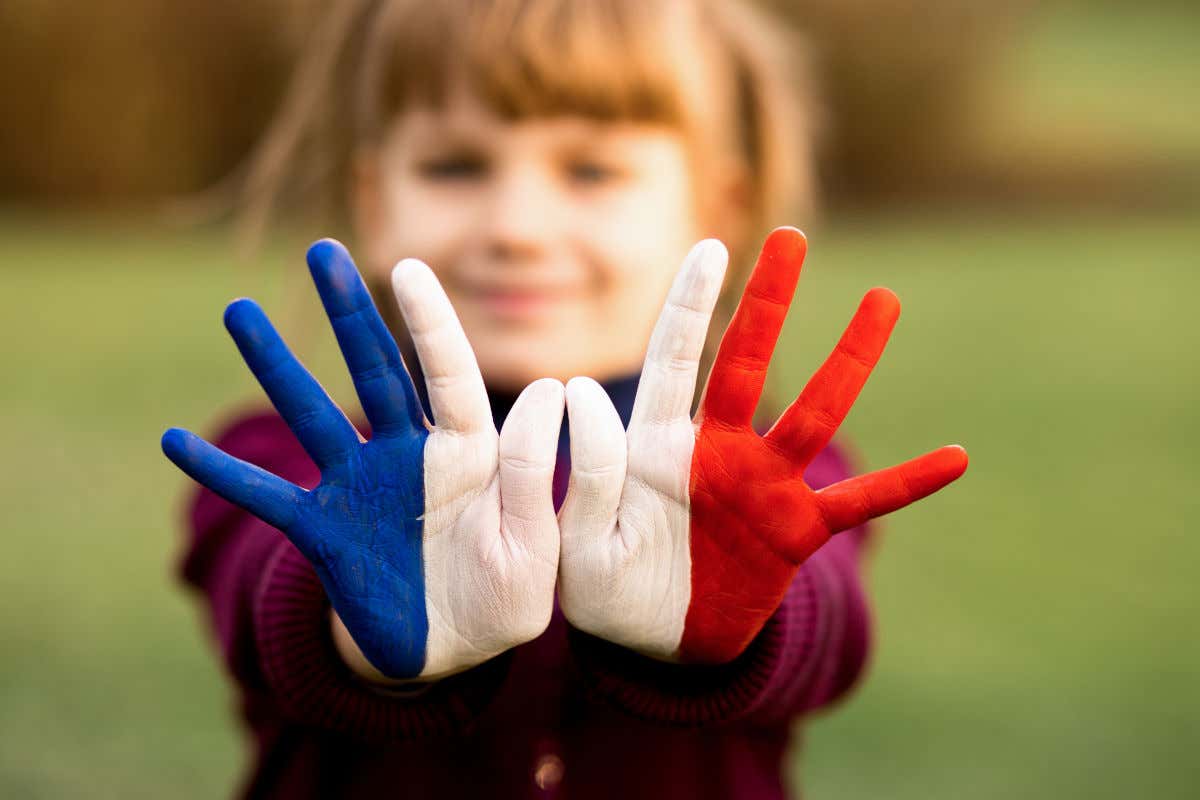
point(266, 496)
point(318, 423)
point(810, 422)
point(740, 368)
point(598, 462)
point(850, 503)
point(383, 385)
point(456, 393)
point(668, 379)
point(528, 446)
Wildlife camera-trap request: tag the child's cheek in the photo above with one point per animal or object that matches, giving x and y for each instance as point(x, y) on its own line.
point(425, 226)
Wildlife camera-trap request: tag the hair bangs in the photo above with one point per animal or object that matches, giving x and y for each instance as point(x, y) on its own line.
point(604, 59)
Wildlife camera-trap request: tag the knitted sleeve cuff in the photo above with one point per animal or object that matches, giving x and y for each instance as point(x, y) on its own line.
point(314, 687)
point(758, 684)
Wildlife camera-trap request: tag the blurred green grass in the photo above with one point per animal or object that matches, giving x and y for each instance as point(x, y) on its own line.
point(1119, 73)
point(1036, 620)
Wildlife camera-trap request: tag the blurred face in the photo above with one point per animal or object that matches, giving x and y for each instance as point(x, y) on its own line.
point(556, 239)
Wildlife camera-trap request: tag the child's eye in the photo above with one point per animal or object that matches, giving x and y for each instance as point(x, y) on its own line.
point(452, 168)
point(593, 172)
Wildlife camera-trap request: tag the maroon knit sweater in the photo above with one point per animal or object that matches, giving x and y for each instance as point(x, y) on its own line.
point(565, 716)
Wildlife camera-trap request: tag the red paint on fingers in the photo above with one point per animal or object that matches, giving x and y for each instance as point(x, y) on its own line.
point(854, 501)
point(810, 422)
point(753, 522)
point(740, 367)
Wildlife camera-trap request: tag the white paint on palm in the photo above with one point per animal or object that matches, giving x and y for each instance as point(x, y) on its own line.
point(625, 569)
point(490, 549)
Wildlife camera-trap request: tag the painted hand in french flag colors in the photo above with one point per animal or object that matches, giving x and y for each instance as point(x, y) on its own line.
point(681, 536)
point(436, 544)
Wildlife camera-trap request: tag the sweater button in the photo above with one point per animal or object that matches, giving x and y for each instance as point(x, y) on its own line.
point(548, 772)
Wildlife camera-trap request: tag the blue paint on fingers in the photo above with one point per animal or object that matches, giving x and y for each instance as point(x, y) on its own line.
point(361, 527)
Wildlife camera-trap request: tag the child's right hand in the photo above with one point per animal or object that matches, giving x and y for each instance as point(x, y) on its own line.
point(426, 567)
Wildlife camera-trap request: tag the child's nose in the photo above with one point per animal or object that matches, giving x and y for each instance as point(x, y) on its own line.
point(523, 216)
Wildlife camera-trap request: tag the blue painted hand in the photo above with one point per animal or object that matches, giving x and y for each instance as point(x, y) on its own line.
point(437, 544)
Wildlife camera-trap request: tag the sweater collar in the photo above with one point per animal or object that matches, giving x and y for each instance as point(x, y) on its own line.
point(621, 390)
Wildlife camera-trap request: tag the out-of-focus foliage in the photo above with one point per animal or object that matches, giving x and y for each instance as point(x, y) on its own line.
point(1035, 620)
point(900, 80)
point(132, 98)
point(1053, 102)
point(126, 99)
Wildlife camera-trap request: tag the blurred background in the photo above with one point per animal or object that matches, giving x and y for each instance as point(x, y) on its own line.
point(1025, 175)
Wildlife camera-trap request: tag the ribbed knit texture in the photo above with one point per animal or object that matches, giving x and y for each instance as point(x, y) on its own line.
point(292, 630)
point(567, 715)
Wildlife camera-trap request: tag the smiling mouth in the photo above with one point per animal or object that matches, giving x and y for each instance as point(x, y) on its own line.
point(521, 304)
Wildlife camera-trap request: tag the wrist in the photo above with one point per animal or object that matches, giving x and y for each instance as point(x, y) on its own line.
point(352, 656)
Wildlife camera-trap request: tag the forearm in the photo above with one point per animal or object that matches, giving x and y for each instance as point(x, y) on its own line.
point(809, 652)
point(275, 628)
point(843, 622)
point(227, 554)
point(312, 685)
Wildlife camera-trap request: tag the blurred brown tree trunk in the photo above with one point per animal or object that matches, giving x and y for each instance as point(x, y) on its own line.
point(131, 99)
point(900, 80)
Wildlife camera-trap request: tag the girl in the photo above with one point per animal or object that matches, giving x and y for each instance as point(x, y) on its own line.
point(386, 601)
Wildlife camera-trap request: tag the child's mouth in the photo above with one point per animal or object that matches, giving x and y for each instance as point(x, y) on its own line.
point(521, 305)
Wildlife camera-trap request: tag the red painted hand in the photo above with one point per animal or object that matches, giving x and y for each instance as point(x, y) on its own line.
point(754, 519)
point(681, 539)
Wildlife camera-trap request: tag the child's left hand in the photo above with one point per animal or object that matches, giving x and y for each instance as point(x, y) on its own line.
point(680, 537)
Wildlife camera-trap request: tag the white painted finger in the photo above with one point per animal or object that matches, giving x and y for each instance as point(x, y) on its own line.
point(456, 391)
point(668, 380)
point(598, 462)
point(528, 450)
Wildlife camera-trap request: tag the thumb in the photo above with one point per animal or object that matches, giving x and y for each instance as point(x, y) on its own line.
point(598, 462)
point(528, 448)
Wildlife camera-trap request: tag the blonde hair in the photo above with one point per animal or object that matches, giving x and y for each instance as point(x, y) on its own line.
point(723, 71)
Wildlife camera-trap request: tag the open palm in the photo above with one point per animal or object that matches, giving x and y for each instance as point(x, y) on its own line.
point(436, 544)
point(681, 536)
